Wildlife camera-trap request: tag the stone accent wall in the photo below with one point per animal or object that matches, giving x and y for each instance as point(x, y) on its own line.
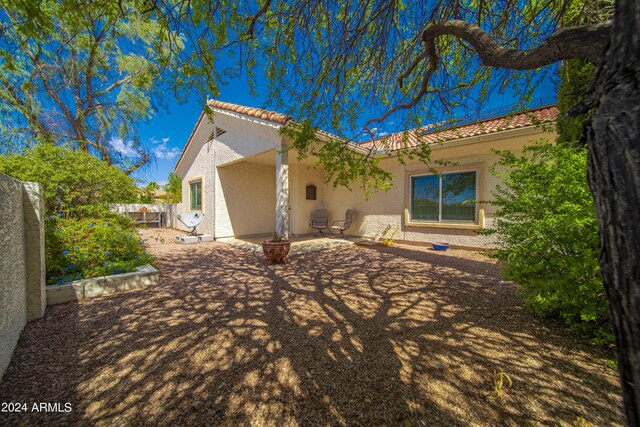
point(22, 268)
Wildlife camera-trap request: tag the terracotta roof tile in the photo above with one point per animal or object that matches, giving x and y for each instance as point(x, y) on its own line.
point(414, 137)
point(250, 111)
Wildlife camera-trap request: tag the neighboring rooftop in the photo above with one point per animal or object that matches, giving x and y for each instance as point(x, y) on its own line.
point(259, 113)
point(429, 135)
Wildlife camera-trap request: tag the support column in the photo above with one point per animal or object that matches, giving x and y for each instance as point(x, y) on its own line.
point(282, 191)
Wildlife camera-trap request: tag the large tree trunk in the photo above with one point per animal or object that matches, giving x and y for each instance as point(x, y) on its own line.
point(613, 138)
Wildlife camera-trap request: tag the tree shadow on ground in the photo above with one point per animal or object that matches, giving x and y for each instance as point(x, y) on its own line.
point(349, 336)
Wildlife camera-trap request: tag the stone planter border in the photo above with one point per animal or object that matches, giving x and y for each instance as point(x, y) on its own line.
point(104, 285)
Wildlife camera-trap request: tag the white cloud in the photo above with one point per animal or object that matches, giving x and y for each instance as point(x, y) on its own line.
point(123, 147)
point(161, 150)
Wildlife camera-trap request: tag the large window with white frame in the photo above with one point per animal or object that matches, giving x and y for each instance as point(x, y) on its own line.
point(195, 195)
point(448, 197)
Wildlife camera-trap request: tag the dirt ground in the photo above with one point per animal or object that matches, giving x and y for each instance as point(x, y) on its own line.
point(363, 336)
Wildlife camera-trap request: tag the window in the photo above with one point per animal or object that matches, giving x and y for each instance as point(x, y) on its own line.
point(448, 197)
point(195, 195)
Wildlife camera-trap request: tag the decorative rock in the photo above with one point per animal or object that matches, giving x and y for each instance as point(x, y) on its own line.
point(93, 407)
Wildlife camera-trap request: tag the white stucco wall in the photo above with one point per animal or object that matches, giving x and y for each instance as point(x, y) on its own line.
point(244, 137)
point(200, 169)
point(228, 208)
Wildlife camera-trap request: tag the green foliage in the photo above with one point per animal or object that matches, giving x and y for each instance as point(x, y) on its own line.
point(148, 193)
point(341, 164)
point(90, 247)
point(75, 183)
point(548, 235)
point(173, 189)
point(82, 73)
point(82, 237)
point(575, 76)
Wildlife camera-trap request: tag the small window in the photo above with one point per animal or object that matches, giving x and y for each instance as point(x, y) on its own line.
point(448, 197)
point(195, 195)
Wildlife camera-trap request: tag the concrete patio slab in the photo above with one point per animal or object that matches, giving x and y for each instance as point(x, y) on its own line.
point(299, 245)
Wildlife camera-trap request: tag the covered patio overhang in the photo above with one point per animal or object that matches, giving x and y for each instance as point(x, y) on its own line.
point(265, 193)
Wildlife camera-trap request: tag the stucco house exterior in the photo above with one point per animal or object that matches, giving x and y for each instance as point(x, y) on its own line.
point(237, 170)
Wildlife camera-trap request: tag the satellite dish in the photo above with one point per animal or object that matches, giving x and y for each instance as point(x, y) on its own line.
point(191, 220)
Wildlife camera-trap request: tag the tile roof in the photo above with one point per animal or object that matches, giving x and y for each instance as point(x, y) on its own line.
point(414, 137)
point(250, 111)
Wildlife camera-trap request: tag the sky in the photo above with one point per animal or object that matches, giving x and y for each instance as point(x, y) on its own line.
point(167, 133)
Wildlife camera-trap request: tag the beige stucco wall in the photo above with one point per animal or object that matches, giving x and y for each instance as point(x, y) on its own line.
point(35, 269)
point(22, 295)
point(374, 214)
point(238, 173)
point(301, 209)
point(245, 202)
point(221, 164)
point(13, 296)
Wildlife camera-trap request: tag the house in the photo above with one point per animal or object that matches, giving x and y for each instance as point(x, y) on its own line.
point(236, 169)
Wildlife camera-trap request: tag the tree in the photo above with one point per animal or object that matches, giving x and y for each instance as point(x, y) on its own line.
point(546, 222)
point(79, 74)
point(148, 194)
point(417, 61)
point(173, 188)
point(339, 60)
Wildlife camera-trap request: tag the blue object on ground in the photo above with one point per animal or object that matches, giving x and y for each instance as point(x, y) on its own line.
point(440, 246)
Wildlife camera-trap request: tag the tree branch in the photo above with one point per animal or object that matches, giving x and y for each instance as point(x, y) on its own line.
point(255, 18)
point(584, 42)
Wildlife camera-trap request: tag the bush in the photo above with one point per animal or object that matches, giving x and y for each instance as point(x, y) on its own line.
point(82, 237)
point(74, 182)
point(548, 234)
point(90, 247)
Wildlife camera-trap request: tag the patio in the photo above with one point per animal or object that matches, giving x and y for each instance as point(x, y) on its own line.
point(299, 244)
point(345, 336)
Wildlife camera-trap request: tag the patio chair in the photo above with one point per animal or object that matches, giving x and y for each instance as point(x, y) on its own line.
point(344, 224)
point(319, 221)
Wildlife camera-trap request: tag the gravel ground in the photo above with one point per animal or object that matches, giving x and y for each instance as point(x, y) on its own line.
point(349, 336)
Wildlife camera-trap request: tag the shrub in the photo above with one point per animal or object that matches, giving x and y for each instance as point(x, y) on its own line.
point(74, 182)
point(548, 234)
point(82, 237)
point(90, 247)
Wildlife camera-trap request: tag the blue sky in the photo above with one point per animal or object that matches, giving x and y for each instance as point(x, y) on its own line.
point(168, 131)
point(166, 134)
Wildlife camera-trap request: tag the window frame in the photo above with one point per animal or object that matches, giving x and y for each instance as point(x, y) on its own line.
point(191, 182)
point(440, 221)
